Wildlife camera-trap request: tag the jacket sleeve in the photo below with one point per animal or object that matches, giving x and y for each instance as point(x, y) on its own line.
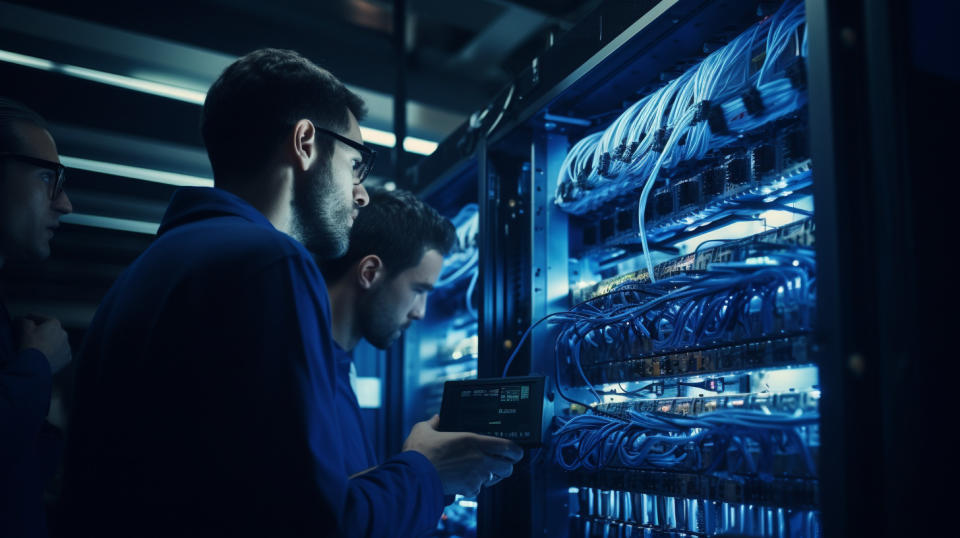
point(25, 385)
point(297, 424)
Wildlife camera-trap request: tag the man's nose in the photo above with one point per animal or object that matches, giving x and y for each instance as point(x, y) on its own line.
point(360, 196)
point(61, 204)
point(419, 310)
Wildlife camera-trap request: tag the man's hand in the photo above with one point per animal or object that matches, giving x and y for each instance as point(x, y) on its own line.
point(466, 461)
point(46, 335)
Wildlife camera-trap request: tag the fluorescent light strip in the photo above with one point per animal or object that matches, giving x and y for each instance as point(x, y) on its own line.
point(135, 172)
point(375, 136)
point(111, 223)
point(378, 137)
point(29, 61)
point(140, 85)
point(419, 145)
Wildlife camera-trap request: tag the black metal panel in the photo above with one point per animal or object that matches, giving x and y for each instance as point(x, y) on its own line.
point(504, 259)
point(368, 61)
point(872, 109)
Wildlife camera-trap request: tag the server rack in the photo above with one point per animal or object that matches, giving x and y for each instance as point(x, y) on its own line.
point(863, 80)
point(523, 167)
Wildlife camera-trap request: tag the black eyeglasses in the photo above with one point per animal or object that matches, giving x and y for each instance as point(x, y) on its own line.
point(367, 155)
point(55, 187)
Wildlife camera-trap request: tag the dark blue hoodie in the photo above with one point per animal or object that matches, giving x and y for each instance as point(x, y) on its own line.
point(205, 400)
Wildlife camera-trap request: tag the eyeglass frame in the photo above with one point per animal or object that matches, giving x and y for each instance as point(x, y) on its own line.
point(57, 187)
point(367, 155)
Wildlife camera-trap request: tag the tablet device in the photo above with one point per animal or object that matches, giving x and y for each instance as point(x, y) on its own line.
point(507, 407)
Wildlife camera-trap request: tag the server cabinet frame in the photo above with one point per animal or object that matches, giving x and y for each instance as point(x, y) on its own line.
point(867, 292)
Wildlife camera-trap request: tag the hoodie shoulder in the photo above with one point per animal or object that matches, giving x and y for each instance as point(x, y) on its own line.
point(209, 225)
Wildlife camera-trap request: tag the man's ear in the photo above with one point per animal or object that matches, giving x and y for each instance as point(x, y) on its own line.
point(370, 271)
point(303, 144)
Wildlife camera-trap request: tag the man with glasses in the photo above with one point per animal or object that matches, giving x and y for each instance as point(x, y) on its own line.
point(32, 349)
point(205, 398)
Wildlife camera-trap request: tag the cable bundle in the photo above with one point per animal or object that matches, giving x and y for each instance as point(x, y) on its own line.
point(724, 440)
point(464, 259)
point(708, 106)
point(465, 254)
point(730, 302)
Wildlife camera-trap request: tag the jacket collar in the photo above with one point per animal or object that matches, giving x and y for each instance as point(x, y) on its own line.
point(190, 204)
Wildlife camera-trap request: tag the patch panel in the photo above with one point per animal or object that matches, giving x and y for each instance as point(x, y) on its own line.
point(781, 523)
point(613, 365)
point(795, 493)
point(800, 233)
point(782, 402)
point(603, 513)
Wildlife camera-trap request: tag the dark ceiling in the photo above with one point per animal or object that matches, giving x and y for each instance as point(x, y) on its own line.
point(128, 148)
point(459, 52)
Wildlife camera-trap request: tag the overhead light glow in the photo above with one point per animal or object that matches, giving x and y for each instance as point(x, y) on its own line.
point(111, 223)
point(374, 136)
point(419, 145)
point(23, 59)
point(388, 139)
point(136, 172)
point(378, 137)
point(137, 84)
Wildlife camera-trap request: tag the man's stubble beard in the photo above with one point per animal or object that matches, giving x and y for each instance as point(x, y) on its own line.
point(376, 326)
point(318, 220)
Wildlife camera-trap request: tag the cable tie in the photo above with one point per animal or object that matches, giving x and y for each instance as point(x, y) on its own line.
point(660, 140)
point(752, 101)
point(716, 120)
point(703, 111)
point(628, 154)
point(604, 168)
point(582, 177)
point(618, 152)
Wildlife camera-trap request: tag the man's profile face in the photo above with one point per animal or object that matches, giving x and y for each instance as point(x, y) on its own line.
point(397, 301)
point(327, 201)
point(28, 217)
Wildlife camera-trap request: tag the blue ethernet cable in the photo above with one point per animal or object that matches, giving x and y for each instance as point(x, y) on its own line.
point(465, 258)
point(625, 150)
point(639, 440)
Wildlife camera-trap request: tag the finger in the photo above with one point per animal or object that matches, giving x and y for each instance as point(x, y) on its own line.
point(25, 324)
point(496, 480)
point(499, 470)
point(499, 478)
point(434, 422)
point(499, 467)
point(504, 448)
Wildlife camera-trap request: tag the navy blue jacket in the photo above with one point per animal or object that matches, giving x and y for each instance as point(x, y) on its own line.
point(205, 400)
point(355, 441)
point(29, 446)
